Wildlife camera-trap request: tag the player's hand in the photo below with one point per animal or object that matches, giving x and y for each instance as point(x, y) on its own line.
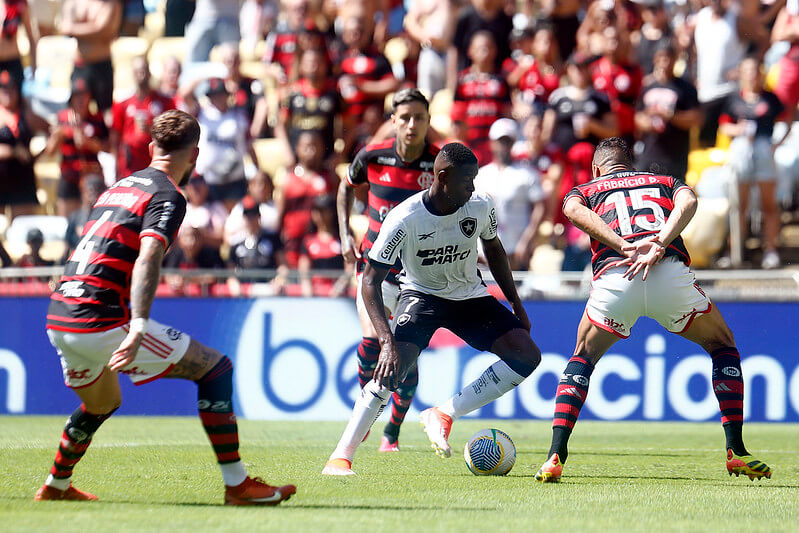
point(521, 314)
point(349, 250)
point(126, 353)
point(648, 252)
point(388, 367)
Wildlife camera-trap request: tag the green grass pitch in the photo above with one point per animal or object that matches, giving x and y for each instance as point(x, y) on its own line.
point(158, 474)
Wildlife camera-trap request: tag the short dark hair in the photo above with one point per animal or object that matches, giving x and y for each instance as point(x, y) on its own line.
point(175, 130)
point(457, 154)
point(613, 150)
point(406, 96)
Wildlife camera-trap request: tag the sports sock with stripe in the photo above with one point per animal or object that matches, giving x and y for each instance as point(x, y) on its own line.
point(728, 385)
point(75, 440)
point(215, 404)
point(495, 381)
point(400, 403)
point(569, 399)
point(368, 352)
point(370, 403)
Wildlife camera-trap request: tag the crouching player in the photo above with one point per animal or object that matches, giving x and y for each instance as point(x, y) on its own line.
point(434, 233)
point(634, 220)
point(117, 264)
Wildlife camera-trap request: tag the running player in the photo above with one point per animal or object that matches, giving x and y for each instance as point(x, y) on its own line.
point(635, 220)
point(393, 170)
point(117, 264)
point(434, 233)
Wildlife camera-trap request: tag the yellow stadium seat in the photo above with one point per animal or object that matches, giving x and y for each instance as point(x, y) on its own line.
point(396, 50)
point(123, 50)
point(162, 48)
point(271, 154)
point(253, 69)
point(56, 54)
point(699, 160)
point(772, 77)
point(706, 234)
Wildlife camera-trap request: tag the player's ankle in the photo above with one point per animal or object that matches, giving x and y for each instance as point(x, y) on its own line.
point(60, 483)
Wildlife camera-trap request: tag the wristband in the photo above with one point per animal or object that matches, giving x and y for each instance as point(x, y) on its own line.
point(138, 325)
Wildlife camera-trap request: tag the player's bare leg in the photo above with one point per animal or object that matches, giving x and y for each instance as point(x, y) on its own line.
point(100, 400)
point(711, 332)
point(519, 356)
point(213, 374)
point(368, 406)
point(592, 343)
point(368, 352)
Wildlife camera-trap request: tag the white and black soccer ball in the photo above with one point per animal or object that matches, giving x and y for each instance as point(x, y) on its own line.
point(490, 452)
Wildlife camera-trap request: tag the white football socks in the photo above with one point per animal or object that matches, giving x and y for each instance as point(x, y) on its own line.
point(495, 381)
point(60, 483)
point(368, 406)
point(234, 474)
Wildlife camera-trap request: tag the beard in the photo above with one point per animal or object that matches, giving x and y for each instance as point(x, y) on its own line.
point(186, 175)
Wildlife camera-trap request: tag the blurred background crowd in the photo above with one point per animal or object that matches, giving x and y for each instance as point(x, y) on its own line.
point(288, 91)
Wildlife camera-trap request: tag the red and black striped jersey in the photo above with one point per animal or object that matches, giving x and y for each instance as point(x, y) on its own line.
point(94, 291)
point(361, 66)
point(480, 99)
point(391, 180)
point(634, 204)
point(76, 162)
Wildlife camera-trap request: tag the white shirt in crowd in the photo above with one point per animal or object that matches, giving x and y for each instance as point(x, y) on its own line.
point(223, 143)
point(514, 190)
point(718, 50)
point(438, 253)
point(235, 227)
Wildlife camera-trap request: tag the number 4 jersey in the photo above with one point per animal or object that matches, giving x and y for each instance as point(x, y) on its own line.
point(94, 292)
point(634, 205)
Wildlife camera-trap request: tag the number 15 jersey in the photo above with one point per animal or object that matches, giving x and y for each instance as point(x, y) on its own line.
point(635, 205)
point(94, 292)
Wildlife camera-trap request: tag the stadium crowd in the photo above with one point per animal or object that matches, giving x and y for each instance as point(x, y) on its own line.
point(288, 92)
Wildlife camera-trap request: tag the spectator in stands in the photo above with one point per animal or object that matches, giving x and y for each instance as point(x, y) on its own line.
point(654, 34)
point(720, 46)
point(667, 110)
point(620, 80)
point(35, 241)
point(306, 181)
point(17, 124)
point(281, 43)
point(224, 141)
point(431, 23)
point(481, 97)
point(132, 119)
point(365, 76)
point(204, 214)
point(16, 14)
point(169, 84)
point(214, 22)
point(545, 159)
point(562, 14)
point(94, 24)
point(538, 74)
point(132, 17)
point(481, 15)
point(256, 20)
point(5, 259)
point(190, 253)
point(517, 193)
point(91, 187)
point(244, 92)
point(312, 103)
point(259, 188)
point(259, 248)
point(79, 136)
point(600, 15)
point(786, 28)
point(748, 117)
point(177, 15)
point(321, 250)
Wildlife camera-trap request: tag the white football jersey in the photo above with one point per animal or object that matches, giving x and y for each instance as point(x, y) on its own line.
point(438, 253)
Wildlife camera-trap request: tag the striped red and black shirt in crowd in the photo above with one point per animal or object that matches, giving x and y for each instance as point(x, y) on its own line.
point(360, 66)
point(480, 99)
point(391, 180)
point(76, 162)
point(635, 205)
point(94, 291)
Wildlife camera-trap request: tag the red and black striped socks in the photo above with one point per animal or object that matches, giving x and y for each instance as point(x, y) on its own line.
point(728, 385)
point(75, 440)
point(368, 352)
point(401, 402)
point(569, 399)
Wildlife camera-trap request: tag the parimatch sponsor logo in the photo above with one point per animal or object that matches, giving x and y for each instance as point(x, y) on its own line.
point(444, 255)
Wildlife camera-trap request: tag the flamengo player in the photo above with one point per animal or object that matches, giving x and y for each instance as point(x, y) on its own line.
point(434, 233)
point(118, 261)
point(393, 170)
point(635, 220)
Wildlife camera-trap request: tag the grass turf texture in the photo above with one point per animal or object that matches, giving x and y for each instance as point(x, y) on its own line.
point(158, 474)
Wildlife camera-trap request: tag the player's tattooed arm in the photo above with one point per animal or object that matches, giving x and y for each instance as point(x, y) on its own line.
point(344, 199)
point(145, 277)
point(500, 269)
point(589, 222)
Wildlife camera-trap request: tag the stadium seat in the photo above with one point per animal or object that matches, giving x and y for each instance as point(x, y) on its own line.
point(441, 103)
point(123, 50)
point(271, 155)
point(162, 48)
point(706, 234)
point(24, 46)
point(699, 160)
point(396, 50)
point(52, 227)
point(154, 24)
point(55, 57)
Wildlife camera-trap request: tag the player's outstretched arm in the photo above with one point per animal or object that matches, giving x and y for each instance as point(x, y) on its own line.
point(143, 284)
point(595, 227)
point(500, 268)
point(344, 198)
point(388, 364)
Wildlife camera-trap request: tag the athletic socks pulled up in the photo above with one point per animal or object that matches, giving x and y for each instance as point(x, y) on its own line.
point(215, 404)
point(495, 381)
point(368, 406)
point(401, 402)
point(728, 385)
point(75, 440)
point(368, 352)
point(569, 399)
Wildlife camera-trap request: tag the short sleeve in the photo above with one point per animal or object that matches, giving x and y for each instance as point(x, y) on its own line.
point(490, 228)
point(390, 240)
point(163, 216)
point(677, 185)
point(575, 193)
point(356, 172)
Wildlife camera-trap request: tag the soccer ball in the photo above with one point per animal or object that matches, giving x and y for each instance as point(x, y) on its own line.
point(490, 452)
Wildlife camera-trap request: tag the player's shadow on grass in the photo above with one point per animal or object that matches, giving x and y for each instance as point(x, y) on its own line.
point(383, 507)
point(635, 454)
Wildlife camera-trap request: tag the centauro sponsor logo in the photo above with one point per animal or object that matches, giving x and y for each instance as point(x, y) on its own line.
point(393, 243)
point(443, 255)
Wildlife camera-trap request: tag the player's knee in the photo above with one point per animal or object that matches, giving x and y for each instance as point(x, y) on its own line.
point(104, 407)
point(520, 353)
